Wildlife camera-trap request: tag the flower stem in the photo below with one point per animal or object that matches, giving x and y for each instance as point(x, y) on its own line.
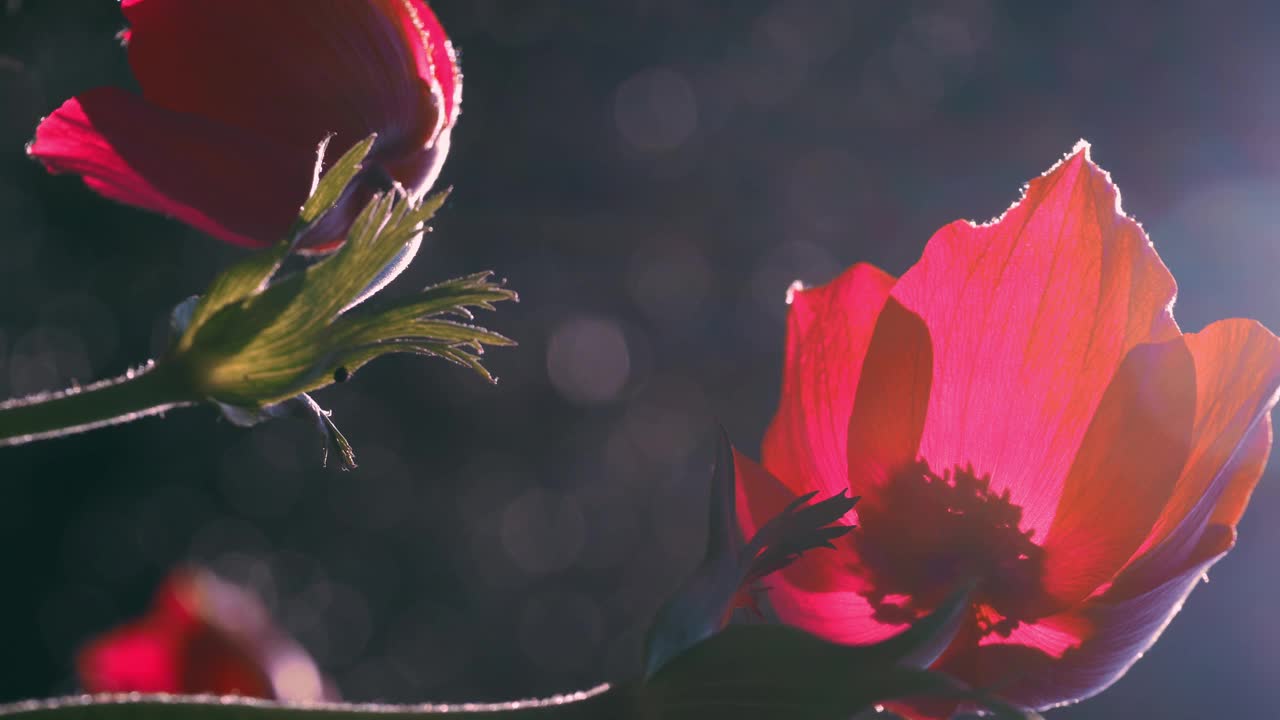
point(150, 390)
point(599, 702)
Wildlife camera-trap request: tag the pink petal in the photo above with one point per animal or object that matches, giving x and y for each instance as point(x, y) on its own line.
point(1078, 654)
point(893, 395)
point(1237, 379)
point(294, 70)
point(223, 181)
point(1029, 318)
point(1124, 473)
point(828, 330)
point(816, 593)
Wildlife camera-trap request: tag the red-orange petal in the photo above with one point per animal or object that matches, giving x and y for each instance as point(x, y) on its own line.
point(1124, 473)
point(828, 330)
point(1242, 475)
point(1029, 317)
point(1237, 366)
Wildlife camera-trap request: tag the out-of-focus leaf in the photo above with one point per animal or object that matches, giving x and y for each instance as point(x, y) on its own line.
point(774, 672)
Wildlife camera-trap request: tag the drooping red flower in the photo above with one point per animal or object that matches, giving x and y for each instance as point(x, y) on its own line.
point(238, 94)
point(1019, 409)
point(202, 635)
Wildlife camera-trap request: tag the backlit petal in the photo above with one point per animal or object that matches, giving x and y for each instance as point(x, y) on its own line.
point(1237, 379)
point(893, 397)
point(1125, 471)
point(828, 330)
point(1029, 317)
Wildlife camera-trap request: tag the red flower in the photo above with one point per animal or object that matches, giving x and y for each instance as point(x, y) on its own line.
point(202, 635)
point(237, 95)
point(1019, 408)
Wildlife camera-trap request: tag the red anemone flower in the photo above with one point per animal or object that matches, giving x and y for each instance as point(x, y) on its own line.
point(1018, 409)
point(238, 94)
point(202, 635)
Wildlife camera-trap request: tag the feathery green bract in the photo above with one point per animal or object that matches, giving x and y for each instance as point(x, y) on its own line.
point(257, 339)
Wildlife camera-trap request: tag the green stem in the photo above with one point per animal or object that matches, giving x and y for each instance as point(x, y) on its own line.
point(599, 703)
point(150, 390)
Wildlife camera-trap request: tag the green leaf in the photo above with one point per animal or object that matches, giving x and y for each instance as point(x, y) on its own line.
point(236, 283)
point(256, 340)
point(256, 346)
point(329, 189)
point(249, 276)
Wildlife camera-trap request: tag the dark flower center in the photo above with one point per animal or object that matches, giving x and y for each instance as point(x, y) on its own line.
point(925, 535)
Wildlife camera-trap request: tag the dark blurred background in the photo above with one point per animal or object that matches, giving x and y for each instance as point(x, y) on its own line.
point(650, 175)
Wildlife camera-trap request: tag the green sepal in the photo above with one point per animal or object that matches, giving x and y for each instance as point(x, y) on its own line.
point(250, 275)
point(255, 340)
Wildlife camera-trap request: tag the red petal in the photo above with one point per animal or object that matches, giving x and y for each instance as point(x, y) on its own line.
point(1124, 472)
point(760, 496)
point(212, 177)
point(1078, 654)
point(1029, 318)
point(294, 70)
point(1237, 379)
point(435, 57)
point(889, 410)
point(828, 330)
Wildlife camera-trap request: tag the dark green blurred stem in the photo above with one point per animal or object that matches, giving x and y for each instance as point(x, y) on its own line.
point(136, 394)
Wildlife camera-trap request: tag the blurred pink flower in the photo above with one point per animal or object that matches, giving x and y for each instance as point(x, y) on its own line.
point(202, 635)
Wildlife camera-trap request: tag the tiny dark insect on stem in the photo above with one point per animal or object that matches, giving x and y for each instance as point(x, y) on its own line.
point(341, 375)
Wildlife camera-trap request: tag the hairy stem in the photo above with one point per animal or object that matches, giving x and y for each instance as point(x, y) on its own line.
point(599, 703)
point(149, 390)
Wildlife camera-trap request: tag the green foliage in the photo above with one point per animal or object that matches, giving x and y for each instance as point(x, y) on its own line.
point(255, 339)
point(249, 276)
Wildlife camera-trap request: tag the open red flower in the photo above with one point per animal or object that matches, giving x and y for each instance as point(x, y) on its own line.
point(202, 635)
point(1019, 409)
point(238, 94)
